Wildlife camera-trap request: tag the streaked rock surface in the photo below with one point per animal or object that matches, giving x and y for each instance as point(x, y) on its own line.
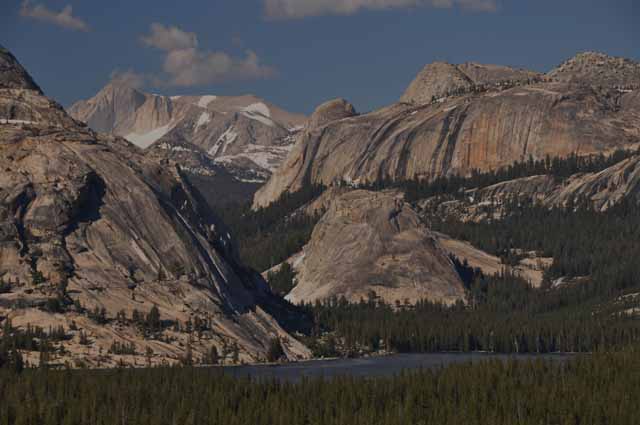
point(90, 219)
point(373, 241)
point(479, 127)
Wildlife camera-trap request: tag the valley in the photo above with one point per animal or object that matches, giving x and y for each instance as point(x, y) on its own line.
point(462, 252)
point(355, 266)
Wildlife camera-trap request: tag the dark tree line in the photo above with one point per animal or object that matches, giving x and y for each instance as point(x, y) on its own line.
point(504, 315)
point(596, 254)
point(601, 389)
point(560, 168)
point(268, 236)
point(602, 247)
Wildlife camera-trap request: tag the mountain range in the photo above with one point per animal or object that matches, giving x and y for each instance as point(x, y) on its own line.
point(244, 134)
point(454, 119)
point(110, 212)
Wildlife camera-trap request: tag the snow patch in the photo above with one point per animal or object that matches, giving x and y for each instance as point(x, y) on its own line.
point(227, 138)
point(204, 118)
point(258, 112)
point(175, 97)
point(261, 118)
point(168, 147)
point(267, 157)
point(258, 108)
point(4, 121)
point(206, 100)
point(146, 139)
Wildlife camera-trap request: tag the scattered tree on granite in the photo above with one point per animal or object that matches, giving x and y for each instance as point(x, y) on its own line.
point(275, 352)
point(37, 277)
point(99, 315)
point(5, 287)
point(153, 323)
point(120, 348)
point(211, 357)
point(282, 280)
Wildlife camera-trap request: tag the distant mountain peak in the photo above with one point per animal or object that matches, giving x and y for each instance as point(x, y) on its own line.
point(439, 79)
point(13, 75)
point(600, 69)
point(245, 133)
point(435, 80)
point(331, 110)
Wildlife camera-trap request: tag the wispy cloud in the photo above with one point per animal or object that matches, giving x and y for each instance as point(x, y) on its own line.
point(185, 64)
point(64, 18)
point(169, 38)
point(297, 9)
point(129, 78)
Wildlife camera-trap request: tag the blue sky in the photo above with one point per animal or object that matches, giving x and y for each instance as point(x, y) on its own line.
point(298, 53)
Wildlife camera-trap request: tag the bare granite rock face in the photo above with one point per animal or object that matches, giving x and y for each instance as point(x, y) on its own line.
point(243, 132)
point(478, 128)
point(434, 81)
point(373, 241)
point(89, 220)
point(332, 110)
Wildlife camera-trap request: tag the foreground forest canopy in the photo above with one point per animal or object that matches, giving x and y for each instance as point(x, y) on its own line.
point(594, 389)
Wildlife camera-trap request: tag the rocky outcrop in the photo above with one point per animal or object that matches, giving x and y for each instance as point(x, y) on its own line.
point(599, 69)
point(91, 222)
point(481, 129)
point(482, 74)
point(373, 241)
point(435, 81)
point(243, 132)
point(13, 75)
point(530, 267)
point(332, 110)
point(441, 79)
point(604, 189)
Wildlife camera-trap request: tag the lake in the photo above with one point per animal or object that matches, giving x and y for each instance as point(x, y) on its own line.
point(373, 366)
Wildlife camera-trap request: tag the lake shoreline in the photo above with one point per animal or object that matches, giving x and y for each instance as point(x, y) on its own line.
point(375, 366)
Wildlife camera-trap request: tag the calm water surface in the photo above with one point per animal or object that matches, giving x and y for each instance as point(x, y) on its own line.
point(373, 366)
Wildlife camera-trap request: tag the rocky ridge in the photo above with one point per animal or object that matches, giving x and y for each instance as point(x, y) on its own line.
point(88, 223)
point(599, 69)
point(245, 134)
point(474, 128)
point(374, 241)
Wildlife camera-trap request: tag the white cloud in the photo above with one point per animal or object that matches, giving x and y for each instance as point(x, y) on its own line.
point(186, 65)
point(169, 38)
point(64, 18)
point(296, 9)
point(129, 78)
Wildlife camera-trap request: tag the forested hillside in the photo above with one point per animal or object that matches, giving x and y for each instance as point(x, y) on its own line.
point(588, 300)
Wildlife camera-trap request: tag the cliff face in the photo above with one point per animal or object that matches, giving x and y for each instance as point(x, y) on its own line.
point(373, 241)
point(89, 221)
point(484, 130)
point(243, 132)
